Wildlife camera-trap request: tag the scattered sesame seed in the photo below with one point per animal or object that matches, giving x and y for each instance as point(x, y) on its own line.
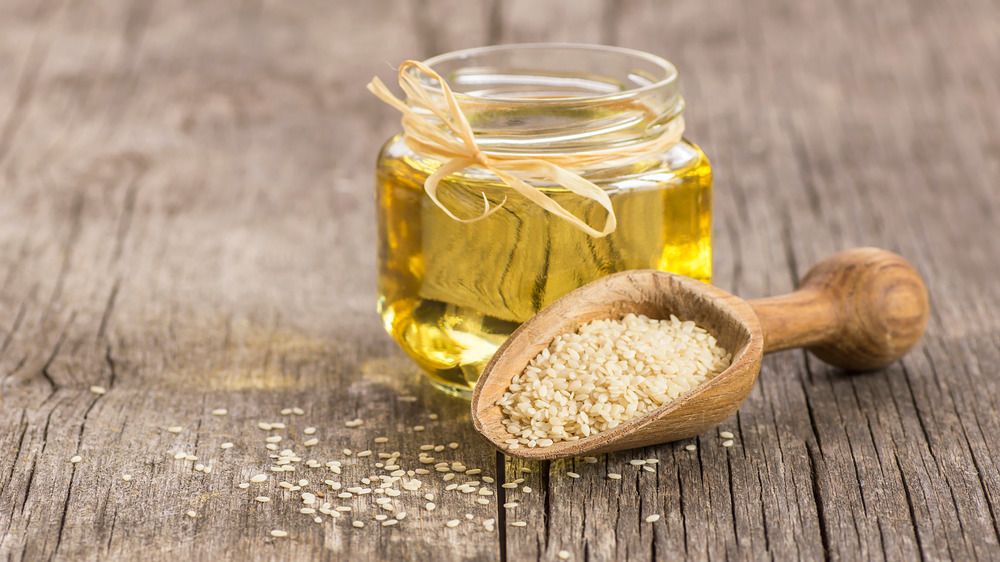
point(347, 452)
point(126, 477)
point(418, 428)
point(727, 443)
point(510, 505)
point(519, 524)
point(191, 458)
point(354, 423)
point(572, 475)
point(489, 524)
point(637, 462)
point(509, 485)
point(226, 445)
point(277, 425)
point(614, 476)
point(526, 490)
point(313, 442)
point(452, 445)
point(192, 514)
point(258, 478)
point(433, 416)
point(389, 522)
point(588, 460)
point(220, 412)
point(473, 471)
point(298, 411)
point(653, 518)
point(273, 439)
point(483, 501)
point(691, 447)
point(307, 511)
point(487, 479)
point(175, 429)
point(564, 555)
point(652, 461)
point(180, 455)
point(244, 485)
point(265, 426)
point(98, 390)
point(263, 499)
point(358, 524)
point(199, 467)
point(75, 459)
point(279, 533)
point(648, 468)
point(271, 447)
point(485, 492)
point(726, 434)
point(453, 523)
point(309, 430)
point(381, 439)
point(286, 411)
point(319, 519)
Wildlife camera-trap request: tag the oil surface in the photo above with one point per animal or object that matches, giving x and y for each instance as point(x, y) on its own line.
point(451, 292)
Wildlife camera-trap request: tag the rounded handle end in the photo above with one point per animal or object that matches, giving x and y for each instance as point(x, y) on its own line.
point(881, 304)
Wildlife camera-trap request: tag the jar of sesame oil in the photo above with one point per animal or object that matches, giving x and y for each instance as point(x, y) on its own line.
point(463, 262)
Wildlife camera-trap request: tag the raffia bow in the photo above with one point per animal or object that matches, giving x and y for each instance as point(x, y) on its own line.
point(456, 144)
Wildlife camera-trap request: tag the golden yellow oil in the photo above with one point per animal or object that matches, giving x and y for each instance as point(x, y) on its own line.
point(451, 292)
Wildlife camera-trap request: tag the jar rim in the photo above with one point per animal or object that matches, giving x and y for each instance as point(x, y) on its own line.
point(668, 79)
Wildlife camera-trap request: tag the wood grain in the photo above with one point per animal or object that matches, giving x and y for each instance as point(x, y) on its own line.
point(186, 219)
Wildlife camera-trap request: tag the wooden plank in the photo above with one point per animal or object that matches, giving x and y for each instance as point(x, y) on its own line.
point(185, 220)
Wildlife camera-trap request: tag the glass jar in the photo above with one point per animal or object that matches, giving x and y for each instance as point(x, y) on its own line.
point(451, 292)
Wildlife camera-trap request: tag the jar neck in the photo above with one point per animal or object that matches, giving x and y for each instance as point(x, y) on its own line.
point(539, 100)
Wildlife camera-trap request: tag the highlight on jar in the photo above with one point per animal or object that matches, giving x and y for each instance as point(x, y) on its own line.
point(523, 172)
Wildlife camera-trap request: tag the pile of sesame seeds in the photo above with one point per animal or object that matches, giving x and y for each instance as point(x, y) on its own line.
point(605, 373)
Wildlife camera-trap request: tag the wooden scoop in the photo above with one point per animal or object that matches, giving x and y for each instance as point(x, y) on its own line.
point(858, 309)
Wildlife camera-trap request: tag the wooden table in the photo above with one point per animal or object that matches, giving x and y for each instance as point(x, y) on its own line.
point(186, 219)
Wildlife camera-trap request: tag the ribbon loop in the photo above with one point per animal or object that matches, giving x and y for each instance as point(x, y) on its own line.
point(455, 142)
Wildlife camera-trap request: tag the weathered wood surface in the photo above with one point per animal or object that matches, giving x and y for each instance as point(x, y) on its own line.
point(186, 219)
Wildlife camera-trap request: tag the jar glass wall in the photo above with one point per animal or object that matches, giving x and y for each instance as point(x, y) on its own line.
point(451, 292)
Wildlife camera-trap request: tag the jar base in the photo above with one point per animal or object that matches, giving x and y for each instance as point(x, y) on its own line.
point(457, 391)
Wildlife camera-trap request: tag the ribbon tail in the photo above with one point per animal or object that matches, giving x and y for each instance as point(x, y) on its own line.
point(447, 169)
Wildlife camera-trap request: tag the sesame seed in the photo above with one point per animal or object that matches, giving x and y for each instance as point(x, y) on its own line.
point(347, 452)
point(564, 555)
point(126, 477)
point(273, 439)
point(303, 482)
point(98, 390)
point(452, 445)
point(181, 455)
point(453, 523)
point(265, 426)
point(510, 505)
point(519, 524)
point(389, 522)
point(354, 423)
point(526, 490)
point(226, 445)
point(489, 524)
point(319, 519)
point(691, 447)
point(418, 428)
point(614, 476)
point(271, 447)
point(199, 467)
point(263, 499)
point(381, 517)
point(572, 475)
point(473, 471)
point(309, 430)
point(637, 462)
point(192, 514)
point(312, 442)
point(727, 443)
point(381, 439)
point(365, 454)
point(485, 492)
point(652, 461)
point(509, 485)
point(175, 429)
point(726, 434)
point(244, 485)
point(486, 479)
point(653, 518)
point(75, 459)
point(286, 411)
point(401, 515)
point(525, 470)
point(258, 478)
point(483, 501)
point(648, 468)
point(279, 533)
point(433, 416)
point(191, 458)
point(588, 460)
point(220, 412)
point(298, 411)
point(277, 425)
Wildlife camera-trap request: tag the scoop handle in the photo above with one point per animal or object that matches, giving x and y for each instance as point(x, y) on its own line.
point(858, 309)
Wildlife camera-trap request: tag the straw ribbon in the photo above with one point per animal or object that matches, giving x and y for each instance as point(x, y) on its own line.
point(456, 144)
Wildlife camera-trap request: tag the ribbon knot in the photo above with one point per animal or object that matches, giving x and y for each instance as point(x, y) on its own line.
point(456, 144)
